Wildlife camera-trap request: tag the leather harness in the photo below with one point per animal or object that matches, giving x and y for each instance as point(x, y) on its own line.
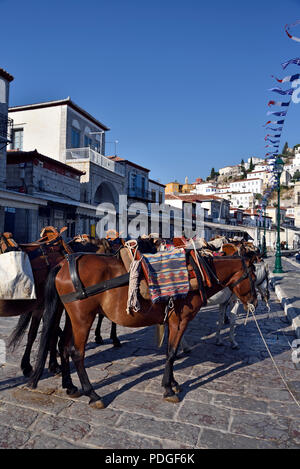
point(81, 292)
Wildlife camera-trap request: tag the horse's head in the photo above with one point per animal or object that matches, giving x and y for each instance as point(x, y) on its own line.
point(244, 286)
point(146, 245)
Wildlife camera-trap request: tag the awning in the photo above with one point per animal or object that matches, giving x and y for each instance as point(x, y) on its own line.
point(18, 200)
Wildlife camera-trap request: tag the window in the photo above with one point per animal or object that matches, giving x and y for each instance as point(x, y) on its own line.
point(87, 141)
point(17, 139)
point(143, 185)
point(132, 180)
point(160, 197)
point(75, 138)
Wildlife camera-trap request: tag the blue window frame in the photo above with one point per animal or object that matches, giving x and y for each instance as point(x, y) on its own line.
point(75, 138)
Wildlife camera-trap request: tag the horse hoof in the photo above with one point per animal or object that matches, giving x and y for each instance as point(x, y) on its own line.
point(235, 347)
point(99, 340)
point(54, 370)
point(117, 344)
point(174, 399)
point(97, 404)
point(177, 389)
point(74, 393)
point(27, 371)
point(30, 385)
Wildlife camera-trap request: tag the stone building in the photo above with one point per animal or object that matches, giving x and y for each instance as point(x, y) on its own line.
point(53, 185)
point(67, 133)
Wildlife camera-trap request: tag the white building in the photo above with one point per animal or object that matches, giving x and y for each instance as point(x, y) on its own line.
point(205, 188)
point(234, 170)
point(70, 127)
point(247, 185)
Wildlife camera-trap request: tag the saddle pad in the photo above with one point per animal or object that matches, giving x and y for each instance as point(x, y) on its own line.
point(16, 278)
point(167, 274)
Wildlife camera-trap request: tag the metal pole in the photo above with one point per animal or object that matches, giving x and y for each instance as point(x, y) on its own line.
point(264, 245)
point(278, 266)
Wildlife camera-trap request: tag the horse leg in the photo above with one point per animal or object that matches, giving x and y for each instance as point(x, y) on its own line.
point(98, 338)
point(64, 345)
point(175, 332)
point(222, 313)
point(54, 367)
point(232, 319)
point(113, 335)
point(80, 335)
point(34, 325)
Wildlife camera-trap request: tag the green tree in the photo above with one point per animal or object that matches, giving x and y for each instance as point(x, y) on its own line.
point(285, 147)
point(251, 165)
point(213, 173)
point(296, 176)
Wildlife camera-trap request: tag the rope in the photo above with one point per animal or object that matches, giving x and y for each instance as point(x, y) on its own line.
point(269, 352)
point(134, 272)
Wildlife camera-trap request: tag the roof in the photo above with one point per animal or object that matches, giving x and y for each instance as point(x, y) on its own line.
point(192, 197)
point(156, 182)
point(4, 74)
point(17, 156)
point(61, 102)
point(123, 160)
point(242, 180)
point(261, 171)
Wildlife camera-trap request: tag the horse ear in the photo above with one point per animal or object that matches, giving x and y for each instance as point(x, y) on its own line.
point(63, 230)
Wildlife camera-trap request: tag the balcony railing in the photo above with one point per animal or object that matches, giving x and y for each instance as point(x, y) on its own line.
point(73, 154)
point(6, 125)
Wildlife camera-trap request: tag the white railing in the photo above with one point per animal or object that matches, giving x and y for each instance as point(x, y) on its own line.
point(72, 154)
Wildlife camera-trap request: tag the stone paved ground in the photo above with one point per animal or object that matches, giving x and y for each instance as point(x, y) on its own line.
point(230, 398)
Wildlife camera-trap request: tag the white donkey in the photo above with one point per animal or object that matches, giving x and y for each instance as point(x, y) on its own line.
point(225, 298)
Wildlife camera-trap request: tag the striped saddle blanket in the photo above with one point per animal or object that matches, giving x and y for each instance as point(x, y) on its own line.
point(167, 274)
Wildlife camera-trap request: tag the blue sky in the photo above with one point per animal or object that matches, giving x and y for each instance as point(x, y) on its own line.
point(182, 85)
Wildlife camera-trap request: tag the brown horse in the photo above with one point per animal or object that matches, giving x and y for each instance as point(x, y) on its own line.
point(32, 310)
point(104, 271)
point(44, 254)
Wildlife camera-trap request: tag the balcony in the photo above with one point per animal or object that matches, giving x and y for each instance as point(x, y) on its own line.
point(6, 125)
point(73, 154)
point(139, 193)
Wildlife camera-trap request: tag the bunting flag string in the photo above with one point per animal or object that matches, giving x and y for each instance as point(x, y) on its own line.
point(274, 136)
point(290, 91)
point(277, 113)
point(287, 29)
point(273, 146)
point(278, 103)
point(291, 61)
point(288, 78)
point(274, 122)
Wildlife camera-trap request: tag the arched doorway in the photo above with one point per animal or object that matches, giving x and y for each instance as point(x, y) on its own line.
point(106, 193)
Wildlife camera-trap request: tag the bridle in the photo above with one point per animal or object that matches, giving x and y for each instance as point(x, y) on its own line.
point(248, 269)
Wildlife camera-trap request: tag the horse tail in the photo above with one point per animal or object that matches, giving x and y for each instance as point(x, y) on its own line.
point(17, 334)
point(159, 334)
point(52, 301)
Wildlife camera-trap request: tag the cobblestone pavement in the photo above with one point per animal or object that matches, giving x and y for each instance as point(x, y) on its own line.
point(230, 399)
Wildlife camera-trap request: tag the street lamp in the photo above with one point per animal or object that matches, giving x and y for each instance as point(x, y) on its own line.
point(278, 168)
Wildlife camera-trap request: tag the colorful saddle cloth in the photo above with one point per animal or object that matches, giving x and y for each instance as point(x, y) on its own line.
point(167, 274)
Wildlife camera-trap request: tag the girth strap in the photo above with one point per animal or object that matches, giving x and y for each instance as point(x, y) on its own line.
point(82, 292)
